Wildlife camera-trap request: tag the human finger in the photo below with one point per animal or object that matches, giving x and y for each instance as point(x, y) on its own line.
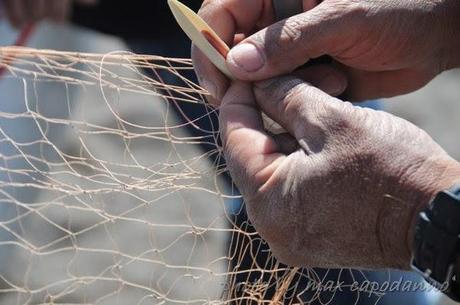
point(227, 18)
point(306, 112)
point(286, 45)
point(328, 78)
point(251, 153)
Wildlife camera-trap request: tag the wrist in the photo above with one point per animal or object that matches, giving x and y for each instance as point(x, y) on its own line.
point(411, 194)
point(400, 214)
point(443, 176)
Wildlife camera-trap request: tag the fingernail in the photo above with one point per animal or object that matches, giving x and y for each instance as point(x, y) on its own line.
point(210, 87)
point(332, 85)
point(247, 57)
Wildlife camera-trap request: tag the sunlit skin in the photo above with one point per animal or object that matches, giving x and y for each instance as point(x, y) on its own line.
point(344, 188)
point(384, 48)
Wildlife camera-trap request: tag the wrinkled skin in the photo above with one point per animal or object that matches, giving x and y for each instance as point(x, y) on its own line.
point(381, 48)
point(22, 12)
point(343, 189)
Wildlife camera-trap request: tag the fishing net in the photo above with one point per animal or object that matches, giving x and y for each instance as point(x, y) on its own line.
point(113, 192)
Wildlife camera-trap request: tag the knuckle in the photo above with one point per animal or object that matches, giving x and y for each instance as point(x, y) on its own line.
point(292, 30)
point(290, 98)
point(359, 9)
point(328, 113)
point(350, 8)
point(298, 98)
point(278, 90)
point(290, 93)
point(335, 115)
point(297, 92)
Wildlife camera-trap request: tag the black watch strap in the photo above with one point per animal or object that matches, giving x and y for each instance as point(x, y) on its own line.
point(437, 243)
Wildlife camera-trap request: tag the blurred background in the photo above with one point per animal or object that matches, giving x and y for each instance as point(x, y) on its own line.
point(148, 28)
point(435, 108)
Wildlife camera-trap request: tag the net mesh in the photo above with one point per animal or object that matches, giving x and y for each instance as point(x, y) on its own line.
point(112, 193)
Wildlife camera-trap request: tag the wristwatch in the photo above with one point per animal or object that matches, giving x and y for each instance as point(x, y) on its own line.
point(436, 252)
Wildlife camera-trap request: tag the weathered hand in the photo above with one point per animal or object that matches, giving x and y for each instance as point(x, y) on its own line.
point(386, 48)
point(234, 20)
point(344, 188)
point(21, 12)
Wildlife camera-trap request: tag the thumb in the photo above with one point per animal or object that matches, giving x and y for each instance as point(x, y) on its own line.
point(284, 46)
